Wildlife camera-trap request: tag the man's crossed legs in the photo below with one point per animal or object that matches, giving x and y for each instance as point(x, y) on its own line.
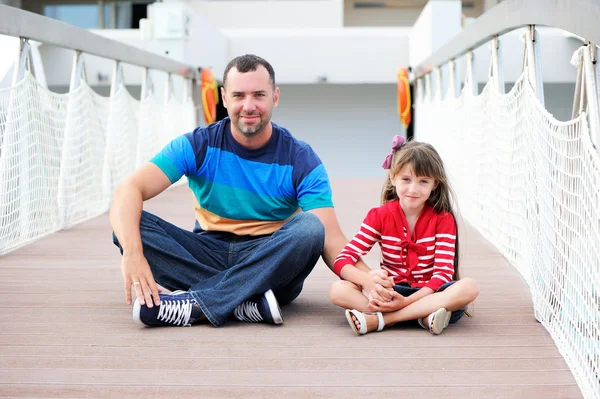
point(216, 274)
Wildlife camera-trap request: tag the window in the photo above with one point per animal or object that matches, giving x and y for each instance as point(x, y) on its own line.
point(82, 15)
point(116, 14)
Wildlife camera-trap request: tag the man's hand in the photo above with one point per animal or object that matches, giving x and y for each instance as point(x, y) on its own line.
point(136, 272)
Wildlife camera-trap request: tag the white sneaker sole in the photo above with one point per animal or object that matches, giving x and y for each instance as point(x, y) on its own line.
point(274, 307)
point(136, 313)
point(440, 321)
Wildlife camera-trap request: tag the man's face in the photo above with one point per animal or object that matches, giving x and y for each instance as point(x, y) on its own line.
point(249, 98)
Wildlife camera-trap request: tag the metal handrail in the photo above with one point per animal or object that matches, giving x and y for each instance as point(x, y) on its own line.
point(20, 23)
point(577, 17)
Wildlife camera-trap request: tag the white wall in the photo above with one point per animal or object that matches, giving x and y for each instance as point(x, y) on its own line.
point(439, 22)
point(201, 44)
point(347, 55)
point(389, 16)
point(350, 126)
point(272, 14)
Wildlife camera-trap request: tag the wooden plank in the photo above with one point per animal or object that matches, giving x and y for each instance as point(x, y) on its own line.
point(276, 364)
point(464, 391)
point(253, 378)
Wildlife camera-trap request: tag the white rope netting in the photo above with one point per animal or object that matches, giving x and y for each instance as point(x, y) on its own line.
point(531, 185)
point(62, 156)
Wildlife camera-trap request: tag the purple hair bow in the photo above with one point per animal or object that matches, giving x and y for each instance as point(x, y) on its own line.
point(397, 143)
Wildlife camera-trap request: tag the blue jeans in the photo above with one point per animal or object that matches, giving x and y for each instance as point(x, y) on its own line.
point(222, 270)
point(406, 290)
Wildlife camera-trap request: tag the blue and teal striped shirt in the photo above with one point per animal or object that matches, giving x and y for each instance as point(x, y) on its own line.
point(243, 191)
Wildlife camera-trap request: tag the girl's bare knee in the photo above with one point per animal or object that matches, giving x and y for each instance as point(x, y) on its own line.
point(339, 291)
point(470, 289)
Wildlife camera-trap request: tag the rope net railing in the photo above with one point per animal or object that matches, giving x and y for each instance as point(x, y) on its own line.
point(62, 155)
point(531, 185)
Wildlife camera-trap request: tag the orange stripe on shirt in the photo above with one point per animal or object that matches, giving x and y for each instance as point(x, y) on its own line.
point(212, 222)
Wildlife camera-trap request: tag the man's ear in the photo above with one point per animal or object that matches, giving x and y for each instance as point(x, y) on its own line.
point(275, 97)
point(223, 97)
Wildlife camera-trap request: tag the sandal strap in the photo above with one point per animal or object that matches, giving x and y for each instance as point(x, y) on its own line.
point(430, 320)
point(380, 322)
point(361, 319)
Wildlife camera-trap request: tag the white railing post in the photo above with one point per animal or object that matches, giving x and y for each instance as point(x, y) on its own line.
point(497, 73)
point(77, 71)
point(146, 106)
point(471, 75)
point(147, 85)
point(22, 61)
point(591, 89)
point(438, 84)
point(69, 147)
point(168, 89)
point(13, 124)
point(108, 178)
point(585, 98)
point(579, 95)
point(428, 94)
point(533, 61)
point(117, 78)
point(453, 80)
point(187, 91)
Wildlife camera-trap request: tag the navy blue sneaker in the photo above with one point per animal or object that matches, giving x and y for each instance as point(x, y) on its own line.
point(260, 308)
point(178, 308)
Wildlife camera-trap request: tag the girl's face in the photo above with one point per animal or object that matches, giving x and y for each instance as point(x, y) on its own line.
point(413, 191)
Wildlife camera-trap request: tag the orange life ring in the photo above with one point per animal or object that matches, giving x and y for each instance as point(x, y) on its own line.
point(404, 105)
point(210, 95)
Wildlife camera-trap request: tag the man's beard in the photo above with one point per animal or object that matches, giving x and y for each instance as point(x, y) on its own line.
point(250, 131)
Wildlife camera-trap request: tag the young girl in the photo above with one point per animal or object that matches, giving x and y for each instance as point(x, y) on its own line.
point(416, 230)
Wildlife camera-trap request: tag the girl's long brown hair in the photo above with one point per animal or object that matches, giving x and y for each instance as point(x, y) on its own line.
point(425, 161)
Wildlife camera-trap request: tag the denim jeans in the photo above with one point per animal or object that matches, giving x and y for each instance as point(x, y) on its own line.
point(406, 290)
point(222, 270)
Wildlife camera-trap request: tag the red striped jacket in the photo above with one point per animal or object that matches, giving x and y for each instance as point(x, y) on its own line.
point(428, 261)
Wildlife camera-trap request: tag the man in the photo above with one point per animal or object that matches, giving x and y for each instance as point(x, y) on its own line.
point(263, 208)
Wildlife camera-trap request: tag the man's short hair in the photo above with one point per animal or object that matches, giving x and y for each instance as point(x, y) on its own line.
point(248, 63)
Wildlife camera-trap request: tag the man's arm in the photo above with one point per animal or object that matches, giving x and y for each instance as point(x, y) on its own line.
point(125, 212)
point(334, 237)
point(335, 242)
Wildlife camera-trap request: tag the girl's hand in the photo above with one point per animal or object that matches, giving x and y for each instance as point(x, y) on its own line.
point(396, 303)
point(381, 294)
point(380, 276)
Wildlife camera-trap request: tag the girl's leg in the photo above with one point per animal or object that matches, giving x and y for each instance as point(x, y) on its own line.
point(348, 295)
point(455, 297)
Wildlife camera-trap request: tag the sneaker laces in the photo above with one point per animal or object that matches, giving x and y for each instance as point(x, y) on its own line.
point(248, 311)
point(175, 312)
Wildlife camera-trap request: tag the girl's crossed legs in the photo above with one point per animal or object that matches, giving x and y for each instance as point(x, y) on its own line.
point(453, 298)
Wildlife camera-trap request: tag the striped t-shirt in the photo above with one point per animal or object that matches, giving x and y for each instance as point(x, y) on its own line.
point(426, 260)
point(243, 191)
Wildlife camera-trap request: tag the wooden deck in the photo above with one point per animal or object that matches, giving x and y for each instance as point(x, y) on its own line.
point(66, 332)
